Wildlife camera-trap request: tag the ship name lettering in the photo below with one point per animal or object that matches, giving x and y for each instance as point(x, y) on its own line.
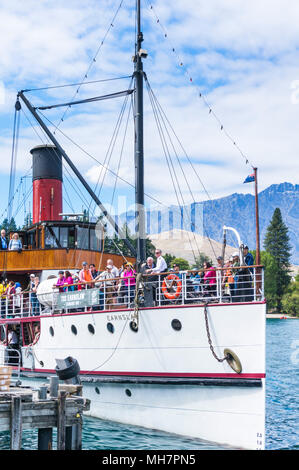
point(119, 317)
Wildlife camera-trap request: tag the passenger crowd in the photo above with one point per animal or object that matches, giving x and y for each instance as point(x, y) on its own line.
point(117, 285)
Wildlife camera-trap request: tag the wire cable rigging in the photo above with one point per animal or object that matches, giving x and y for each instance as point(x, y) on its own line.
point(92, 62)
point(200, 94)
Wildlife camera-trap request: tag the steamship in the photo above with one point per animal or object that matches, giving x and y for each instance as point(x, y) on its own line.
point(169, 360)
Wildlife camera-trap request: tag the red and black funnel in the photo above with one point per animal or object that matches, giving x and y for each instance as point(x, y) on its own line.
point(47, 183)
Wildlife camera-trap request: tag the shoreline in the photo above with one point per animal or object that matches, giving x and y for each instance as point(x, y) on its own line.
point(279, 315)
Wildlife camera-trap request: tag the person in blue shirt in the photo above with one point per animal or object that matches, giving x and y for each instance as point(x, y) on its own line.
point(247, 279)
point(248, 258)
point(3, 240)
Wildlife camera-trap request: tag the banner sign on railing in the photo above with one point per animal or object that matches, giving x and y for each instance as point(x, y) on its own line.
point(78, 299)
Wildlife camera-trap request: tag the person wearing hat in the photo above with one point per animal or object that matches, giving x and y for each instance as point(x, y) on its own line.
point(30, 283)
point(228, 282)
point(34, 300)
point(17, 298)
point(129, 281)
point(248, 258)
point(247, 281)
point(235, 273)
point(107, 286)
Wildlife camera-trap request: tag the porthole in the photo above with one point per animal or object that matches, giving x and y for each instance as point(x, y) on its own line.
point(97, 390)
point(74, 329)
point(128, 392)
point(51, 330)
point(110, 327)
point(134, 326)
point(91, 329)
point(176, 325)
point(41, 363)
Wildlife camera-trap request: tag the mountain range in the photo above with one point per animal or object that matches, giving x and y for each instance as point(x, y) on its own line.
point(207, 218)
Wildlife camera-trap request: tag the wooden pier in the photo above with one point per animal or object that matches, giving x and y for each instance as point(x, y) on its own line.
point(51, 406)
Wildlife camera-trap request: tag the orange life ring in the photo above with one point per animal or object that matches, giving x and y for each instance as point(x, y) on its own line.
point(175, 295)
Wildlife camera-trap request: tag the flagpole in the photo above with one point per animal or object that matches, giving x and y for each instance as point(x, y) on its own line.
point(257, 225)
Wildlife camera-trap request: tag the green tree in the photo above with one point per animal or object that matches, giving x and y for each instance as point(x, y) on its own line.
point(277, 244)
point(290, 300)
point(181, 262)
point(200, 260)
point(169, 259)
point(270, 268)
point(9, 227)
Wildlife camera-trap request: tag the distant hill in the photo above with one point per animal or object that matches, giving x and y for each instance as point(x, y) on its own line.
point(183, 244)
point(237, 210)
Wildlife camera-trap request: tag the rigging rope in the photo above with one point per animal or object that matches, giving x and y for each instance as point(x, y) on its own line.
point(94, 59)
point(163, 115)
point(75, 84)
point(170, 165)
point(200, 94)
point(122, 149)
point(100, 163)
point(15, 141)
point(88, 205)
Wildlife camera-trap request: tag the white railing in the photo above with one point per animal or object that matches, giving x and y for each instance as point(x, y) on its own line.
point(11, 357)
point(23, 304)
point(224, 285)
point(233, 284)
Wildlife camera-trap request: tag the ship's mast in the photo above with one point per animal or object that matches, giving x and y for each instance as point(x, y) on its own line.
point(139, 158)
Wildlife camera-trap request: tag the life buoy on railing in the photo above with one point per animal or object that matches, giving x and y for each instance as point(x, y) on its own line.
point(178, 287)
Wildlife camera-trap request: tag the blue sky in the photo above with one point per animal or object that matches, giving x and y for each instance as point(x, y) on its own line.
point(242, 57)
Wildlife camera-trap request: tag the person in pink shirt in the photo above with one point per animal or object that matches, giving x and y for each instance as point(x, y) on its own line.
point(61, 281)
point(129, 280)
point(69, 280)
point(209, 278)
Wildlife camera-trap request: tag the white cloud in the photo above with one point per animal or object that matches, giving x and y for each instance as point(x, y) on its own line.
point(243, 56)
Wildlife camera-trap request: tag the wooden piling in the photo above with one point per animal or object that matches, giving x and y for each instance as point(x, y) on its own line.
point(20, 408)
point(45, 435)
point(54, 384)
point(16, 423)
point(61, 421)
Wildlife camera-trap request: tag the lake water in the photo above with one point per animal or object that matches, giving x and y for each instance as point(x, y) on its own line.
point(282, 406)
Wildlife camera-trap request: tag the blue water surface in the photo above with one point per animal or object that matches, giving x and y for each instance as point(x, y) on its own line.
point(282, 405)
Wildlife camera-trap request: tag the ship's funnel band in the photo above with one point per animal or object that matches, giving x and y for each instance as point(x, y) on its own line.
point(46, 163)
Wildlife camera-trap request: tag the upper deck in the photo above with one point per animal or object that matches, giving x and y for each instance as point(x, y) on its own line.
point(57, 245)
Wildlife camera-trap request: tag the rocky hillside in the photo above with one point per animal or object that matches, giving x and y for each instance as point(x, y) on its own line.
point(236, 210)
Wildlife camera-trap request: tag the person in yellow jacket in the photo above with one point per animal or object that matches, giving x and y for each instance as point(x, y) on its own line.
point(3, 287)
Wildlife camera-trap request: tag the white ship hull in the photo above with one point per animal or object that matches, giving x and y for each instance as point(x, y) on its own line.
point(162, 378)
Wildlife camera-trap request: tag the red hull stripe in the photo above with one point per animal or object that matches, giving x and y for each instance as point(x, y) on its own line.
point(158, 374)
